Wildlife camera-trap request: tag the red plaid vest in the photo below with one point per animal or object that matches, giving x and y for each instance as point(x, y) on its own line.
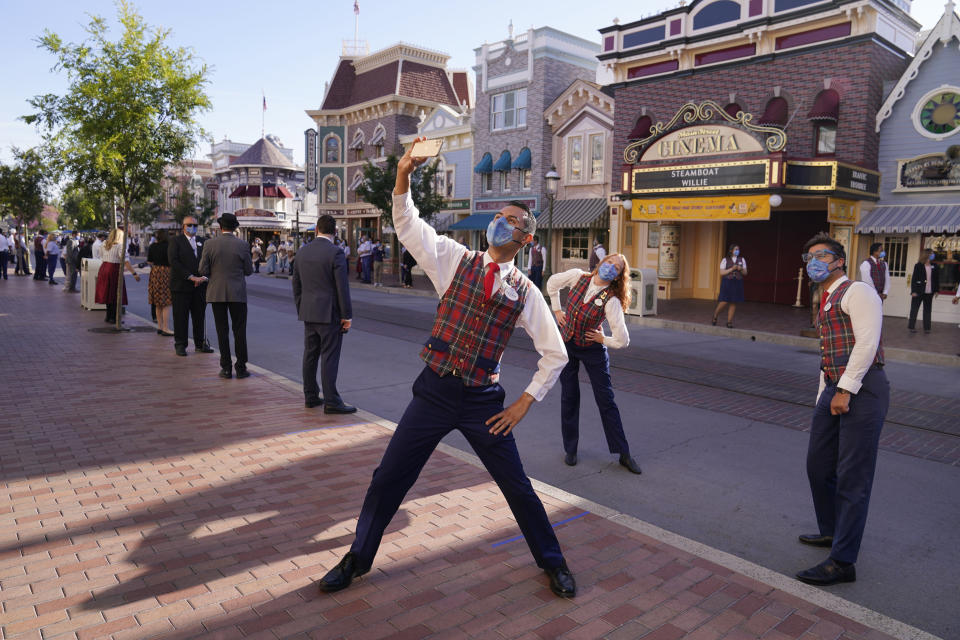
point(836, 335)
point(877, 273)
point(583, 316)
point(470, 332)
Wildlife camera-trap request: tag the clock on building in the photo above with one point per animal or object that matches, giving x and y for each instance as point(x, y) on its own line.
point(940, 113)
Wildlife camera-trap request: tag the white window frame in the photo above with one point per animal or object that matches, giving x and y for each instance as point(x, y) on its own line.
point(525, 179)
point(326, 179)
point(339, 149)
point(571, 178)
point(486, 182)
point(357, 180)
point(915, 116)
point(504, 180)
point(450, 178)
point(591, 138)
point(517, 114)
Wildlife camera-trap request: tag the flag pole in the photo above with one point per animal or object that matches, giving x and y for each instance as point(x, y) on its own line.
point(263, 113)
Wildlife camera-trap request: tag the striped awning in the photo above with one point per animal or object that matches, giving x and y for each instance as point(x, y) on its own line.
point(576, 214)
point(917, 218)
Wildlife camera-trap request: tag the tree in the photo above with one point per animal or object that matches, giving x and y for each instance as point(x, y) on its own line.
point(23, 186)
point(130, 108)
point(85, 208)
point(378, 183)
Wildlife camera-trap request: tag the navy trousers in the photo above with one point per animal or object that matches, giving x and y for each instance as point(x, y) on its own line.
point(52, 266)
point(841, 460)
point(367, 262)
point(321, 345)
point(597, 364)
point(536, 276)
point(440, 405)
point(3, 264)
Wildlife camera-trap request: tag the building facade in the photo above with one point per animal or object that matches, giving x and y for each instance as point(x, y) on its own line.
point(919, 157)
point(581, 120)
point(517, 78)
point(454, 163)
point(259, 184)
point(749, 122)
point(370, 103)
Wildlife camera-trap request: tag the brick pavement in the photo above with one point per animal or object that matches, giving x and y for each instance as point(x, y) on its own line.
point(141, 496)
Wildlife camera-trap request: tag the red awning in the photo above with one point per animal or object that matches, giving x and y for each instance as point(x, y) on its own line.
point(826, 106)
point(641, 129)
point(253, 191)
point(732, 109)
point(776, 112)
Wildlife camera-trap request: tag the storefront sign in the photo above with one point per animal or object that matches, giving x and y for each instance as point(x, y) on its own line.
point(497, 205)
point(829, 175)
point(701, 140)
point(935, 171)
point(843, 211)
point(719, 176)
point(457, 205)
point(668, 264)
point(689, 209)
point(311, 159)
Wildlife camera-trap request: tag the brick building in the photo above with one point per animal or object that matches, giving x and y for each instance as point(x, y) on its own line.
point(517, 78)
point(371, 101)
point(748, 122)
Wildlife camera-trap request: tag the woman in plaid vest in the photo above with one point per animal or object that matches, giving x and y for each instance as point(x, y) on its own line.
point(483, 297)
point(852, 403)
point(593, 297)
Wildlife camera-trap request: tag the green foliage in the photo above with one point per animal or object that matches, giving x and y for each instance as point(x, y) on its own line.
point(378, 184)
point(129, 110)
point(84, 208)
point(23, 186)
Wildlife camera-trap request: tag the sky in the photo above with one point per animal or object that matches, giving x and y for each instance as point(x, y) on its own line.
point(286, 50)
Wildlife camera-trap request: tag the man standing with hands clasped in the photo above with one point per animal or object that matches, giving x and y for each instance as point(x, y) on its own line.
point(226, 262)
point(483, 298)
point(188, 288)
point(873, 270)
point(852, 403)
point(321, 291)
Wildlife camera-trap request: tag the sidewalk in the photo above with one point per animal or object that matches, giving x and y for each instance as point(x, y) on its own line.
point(142, 496)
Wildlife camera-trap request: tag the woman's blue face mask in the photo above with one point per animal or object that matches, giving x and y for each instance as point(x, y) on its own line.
point(500, 232)
point(608, 271)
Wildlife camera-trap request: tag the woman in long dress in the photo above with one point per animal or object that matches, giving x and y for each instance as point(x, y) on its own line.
point(112, 255)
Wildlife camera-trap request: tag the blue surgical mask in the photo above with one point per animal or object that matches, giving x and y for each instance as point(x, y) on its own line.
point(499, 232)
point(736, 252)
point(818, 270)
point(933, 257)
point(883, 254)
point(608, 271)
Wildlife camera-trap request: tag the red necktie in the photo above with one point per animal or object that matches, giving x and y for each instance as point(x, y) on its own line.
point(823, 299)
point(490, 278)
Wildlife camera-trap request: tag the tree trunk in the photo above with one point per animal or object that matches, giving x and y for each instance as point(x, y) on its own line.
point(123, 262)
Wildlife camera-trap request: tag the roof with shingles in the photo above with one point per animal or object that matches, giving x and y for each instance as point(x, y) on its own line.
point(263, 154)
point(421, 81)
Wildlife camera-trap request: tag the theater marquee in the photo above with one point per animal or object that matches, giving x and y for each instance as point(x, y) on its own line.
point(733, 208)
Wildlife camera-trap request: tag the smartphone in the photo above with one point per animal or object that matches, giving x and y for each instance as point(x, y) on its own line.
point(426, 148)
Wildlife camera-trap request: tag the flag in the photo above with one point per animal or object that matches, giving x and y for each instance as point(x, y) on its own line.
point(356, 7)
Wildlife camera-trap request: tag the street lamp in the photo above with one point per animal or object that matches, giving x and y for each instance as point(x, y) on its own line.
point(298, 201)
point(551, 180)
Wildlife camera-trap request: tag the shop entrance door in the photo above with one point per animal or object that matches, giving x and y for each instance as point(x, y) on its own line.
point(772, 250)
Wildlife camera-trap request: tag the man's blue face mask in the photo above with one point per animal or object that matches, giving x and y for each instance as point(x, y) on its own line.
point(500, 232)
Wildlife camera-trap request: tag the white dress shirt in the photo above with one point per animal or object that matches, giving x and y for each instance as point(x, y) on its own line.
point(439, 257)
point(543, 253)
point(865, 309)
point(97, 250)
point(865, 274)
point(4, 243)
point(613, 309)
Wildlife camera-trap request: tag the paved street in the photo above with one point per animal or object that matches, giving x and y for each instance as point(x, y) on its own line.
point(243, 497)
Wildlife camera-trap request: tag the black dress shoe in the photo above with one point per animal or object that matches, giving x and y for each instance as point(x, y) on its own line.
point(343, 408)
point(342, 575)
point(242, 373)
point(816, 540)
point(310, 404)
point(204, 348)
point(570, 460)
point(630, 464)
point(562, 582)
point(181, 351)
point(828, 572)
point(225, 373)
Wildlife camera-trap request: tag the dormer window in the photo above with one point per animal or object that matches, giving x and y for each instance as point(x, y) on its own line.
point(717, 13)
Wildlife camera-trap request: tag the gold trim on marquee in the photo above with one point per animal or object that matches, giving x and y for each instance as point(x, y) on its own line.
point(692, 112)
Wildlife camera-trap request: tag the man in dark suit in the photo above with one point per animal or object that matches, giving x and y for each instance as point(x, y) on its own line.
point(227, 263)
point(924, 286)
point(322, 293)
point(188, 288)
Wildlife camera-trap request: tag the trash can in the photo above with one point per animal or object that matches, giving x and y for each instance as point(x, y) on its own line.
point(643, 292)
point(88, 284)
